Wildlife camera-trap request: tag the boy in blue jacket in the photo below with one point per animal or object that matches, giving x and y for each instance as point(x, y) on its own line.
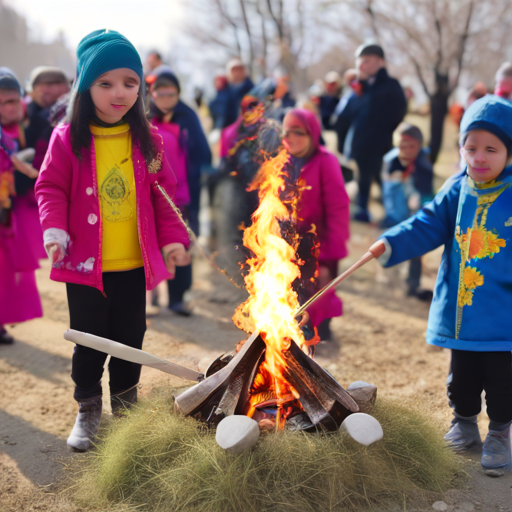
point(407, 172)
point(472, 217)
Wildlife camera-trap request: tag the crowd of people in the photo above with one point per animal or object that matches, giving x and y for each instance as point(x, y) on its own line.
point(87, 167)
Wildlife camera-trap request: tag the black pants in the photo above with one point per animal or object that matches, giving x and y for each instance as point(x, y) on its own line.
point(120, 316)
point(180, 284)
point(414, 277)
point(370, 167)
point(473, 372)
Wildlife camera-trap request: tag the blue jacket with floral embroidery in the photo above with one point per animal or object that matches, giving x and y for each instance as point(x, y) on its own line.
point(473, 292)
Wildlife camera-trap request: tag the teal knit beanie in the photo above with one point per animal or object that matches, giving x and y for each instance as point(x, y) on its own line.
point(102, 51)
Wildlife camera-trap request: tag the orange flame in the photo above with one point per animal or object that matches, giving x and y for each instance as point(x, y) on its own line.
point(272, 303)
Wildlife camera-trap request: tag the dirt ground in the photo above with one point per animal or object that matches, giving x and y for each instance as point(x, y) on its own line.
point(380, 339)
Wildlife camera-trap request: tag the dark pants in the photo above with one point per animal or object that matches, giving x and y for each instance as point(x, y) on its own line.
point(369, 169)
point(474, 372)
point(414, 277)
point(120, 316)
point(180, 284)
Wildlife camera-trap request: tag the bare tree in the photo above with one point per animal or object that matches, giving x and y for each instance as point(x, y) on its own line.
point(259, 30)
point(441, 40)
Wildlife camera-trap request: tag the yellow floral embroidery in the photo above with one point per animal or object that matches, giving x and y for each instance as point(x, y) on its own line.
point(482, 243)
point(472, 278)
point(475, 244)
point(465, 298)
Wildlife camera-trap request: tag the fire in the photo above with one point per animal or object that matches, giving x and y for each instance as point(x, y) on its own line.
point(272, 270)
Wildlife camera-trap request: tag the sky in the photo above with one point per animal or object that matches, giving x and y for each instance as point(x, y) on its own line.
point(147, 24)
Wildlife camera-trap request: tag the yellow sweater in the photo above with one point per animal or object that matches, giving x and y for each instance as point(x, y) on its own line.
point(116, 188)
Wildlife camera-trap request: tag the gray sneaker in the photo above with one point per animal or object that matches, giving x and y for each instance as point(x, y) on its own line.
point(463, 434)
point(86, 424)
point(496, 451)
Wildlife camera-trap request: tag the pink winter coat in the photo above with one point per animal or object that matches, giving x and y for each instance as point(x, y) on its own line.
point(177, 158)
point(67, 194)
point(326, 205)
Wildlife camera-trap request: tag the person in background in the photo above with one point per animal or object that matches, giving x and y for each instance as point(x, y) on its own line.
point(330, 99)
point(27, 234)
point(479, 90)
point(503, 79)
point(153, 60)
point(218, 105)
point(407, 184)
point(12, 110)
point(175, 148)
point(45, 86)
point(367, 121)
point(19, 298)
point(323, 203)
point(244, 145)
point(239, 84)
point(174, 110)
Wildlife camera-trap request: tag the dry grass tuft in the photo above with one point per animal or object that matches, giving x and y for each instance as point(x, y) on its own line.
point(157, 461)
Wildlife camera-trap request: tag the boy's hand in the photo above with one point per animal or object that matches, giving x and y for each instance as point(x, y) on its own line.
point(56, 253)
point(175, 255)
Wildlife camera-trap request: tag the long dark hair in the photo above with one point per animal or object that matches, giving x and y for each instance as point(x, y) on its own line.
point(83, 112)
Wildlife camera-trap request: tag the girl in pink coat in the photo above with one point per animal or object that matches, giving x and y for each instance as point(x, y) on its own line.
point(323, 213)
point(108, 230)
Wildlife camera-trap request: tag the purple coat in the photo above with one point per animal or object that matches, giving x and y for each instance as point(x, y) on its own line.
point(67, 194)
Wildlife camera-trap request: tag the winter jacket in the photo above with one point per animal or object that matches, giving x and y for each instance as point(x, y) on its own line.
point(177, 158)
point(67, 194)
point(325, 204)
point(473, 292)
point(366, 124)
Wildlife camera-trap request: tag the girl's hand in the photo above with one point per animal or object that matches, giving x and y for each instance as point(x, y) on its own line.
point(175, 255)
point(56, 252)
point(24, 168)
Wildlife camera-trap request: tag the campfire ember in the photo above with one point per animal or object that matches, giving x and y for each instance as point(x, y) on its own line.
point(272, 379)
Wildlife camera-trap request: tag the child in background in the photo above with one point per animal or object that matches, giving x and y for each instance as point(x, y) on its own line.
point(108, 230)
point(407, 177)
point(471, 217)
point(162, 90)
point(323, 210)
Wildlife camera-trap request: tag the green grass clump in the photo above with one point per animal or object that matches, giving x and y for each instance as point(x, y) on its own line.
point(157, 461)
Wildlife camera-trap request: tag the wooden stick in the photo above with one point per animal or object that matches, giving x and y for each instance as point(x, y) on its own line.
point(376, 250)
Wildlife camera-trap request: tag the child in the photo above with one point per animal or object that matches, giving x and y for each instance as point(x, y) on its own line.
point(323, 209)
point(406, 179)
point(471, 216)
point(163, 90)
point(108, 230)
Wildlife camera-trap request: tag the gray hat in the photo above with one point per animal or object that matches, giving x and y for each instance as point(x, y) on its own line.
point(46, 74)
point(370, 49)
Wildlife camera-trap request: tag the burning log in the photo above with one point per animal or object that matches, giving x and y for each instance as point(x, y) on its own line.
point(323, 402)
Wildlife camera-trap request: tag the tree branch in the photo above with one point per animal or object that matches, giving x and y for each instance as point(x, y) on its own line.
point(249, 35)
point(232, 22)
point(462, 46)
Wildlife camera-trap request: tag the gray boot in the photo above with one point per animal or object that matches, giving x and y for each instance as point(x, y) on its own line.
point(463, 433)
point(496, 450)
point(86, 424)
point(121, 402)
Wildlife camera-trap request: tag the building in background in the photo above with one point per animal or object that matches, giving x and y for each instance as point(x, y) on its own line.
point(21, 55)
